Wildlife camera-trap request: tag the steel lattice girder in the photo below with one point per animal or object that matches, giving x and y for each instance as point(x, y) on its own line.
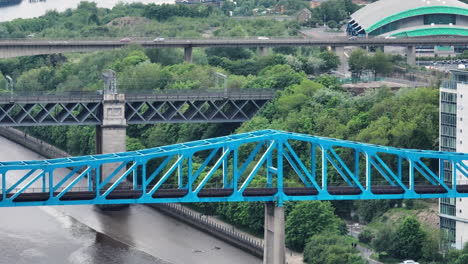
point(267, 165)
point(53, 113)
point(191, 111)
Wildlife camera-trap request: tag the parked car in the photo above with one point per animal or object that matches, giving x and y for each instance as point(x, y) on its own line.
point(126, 40)
point(158, 39)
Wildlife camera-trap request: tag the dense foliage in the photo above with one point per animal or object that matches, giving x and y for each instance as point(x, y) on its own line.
point(407, 118)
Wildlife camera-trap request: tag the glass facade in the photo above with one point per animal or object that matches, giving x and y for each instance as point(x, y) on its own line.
point(448, 138)
point(440, 19)
point(448, 227)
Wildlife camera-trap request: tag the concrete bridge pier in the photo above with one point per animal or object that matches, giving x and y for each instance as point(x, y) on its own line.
point(274, 248)
point(411, 55)
point(111, 137)
point(340, 52)
point(188, 57)
point(263, 51)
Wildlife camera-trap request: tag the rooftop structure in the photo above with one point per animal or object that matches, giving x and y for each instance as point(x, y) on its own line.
point(401, 18)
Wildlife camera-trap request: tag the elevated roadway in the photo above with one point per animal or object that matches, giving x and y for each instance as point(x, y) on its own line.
point(15, 48)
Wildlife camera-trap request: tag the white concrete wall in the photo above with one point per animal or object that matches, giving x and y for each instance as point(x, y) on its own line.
point(462, 146)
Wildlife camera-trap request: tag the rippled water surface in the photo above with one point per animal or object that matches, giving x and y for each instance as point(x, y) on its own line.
point(35, 8)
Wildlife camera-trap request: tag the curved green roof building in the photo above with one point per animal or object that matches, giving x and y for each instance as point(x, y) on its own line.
point(402, 18)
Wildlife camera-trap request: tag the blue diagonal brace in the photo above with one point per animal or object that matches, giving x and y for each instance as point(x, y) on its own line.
point(121, 178)
point(166, 175)
point(27, 185)
point(66, 178)
point(21, 180)
point(301, 165)
point(257, 166)
point(110, 177)
point(354, 177)
point(431, 173)
point(71, 184)
point(390, 172)
point(423, 173)
point(250, 158)
point(296, 169)
point(212, 170)
point(384, 174)
point(157, 171)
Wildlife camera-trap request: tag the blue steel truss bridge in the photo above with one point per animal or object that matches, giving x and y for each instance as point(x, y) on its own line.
point(268, 165)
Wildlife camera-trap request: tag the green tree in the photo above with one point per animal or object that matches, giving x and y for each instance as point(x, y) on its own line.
point(358, 62)
point(380, 63)
point(331, 61)
point(307, 219)
point(410, 239)
point(330, 248)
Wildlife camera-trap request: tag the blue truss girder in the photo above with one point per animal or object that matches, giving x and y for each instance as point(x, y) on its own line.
point(227, 169)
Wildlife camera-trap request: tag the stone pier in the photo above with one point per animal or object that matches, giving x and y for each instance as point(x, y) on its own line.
point(274, 248)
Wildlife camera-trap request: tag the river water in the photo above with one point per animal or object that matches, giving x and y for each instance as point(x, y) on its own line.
point(86, 235)
point(35, 8)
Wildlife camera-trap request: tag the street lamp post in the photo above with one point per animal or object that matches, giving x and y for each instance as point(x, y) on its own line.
point(9, 85)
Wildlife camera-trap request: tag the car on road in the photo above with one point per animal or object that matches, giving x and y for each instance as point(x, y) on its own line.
point(352, 38)
point(158, 39)
point(125, 40)
point(409, 262)
point(263, 38)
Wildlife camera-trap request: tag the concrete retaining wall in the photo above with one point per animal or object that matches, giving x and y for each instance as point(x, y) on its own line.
point(32, 143)
point(197, 220)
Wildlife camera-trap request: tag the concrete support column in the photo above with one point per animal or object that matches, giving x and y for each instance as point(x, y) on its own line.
point(411, 55)
point(343, 67)
point(274, 248)
point(263, 51)
point(188, 54)
point(111, 137)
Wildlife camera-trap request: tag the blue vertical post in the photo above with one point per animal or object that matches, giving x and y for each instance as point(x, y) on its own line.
point(98, 181)
point(226, 170)
point(411, 175)
point(143, 177)
point(454, 176)
point(400, 167)
point(51, 183)
point(368, 173)
point(313, 161)
point(324, 169)
point(3, 185)
point(135, 178)
point(235, 172)
point(90, 180)
point(279, 173)
point(189, 173)
point(442, 170)
point(180, 173)
point(44, 182)
point(356, 164)
point(269, 165)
